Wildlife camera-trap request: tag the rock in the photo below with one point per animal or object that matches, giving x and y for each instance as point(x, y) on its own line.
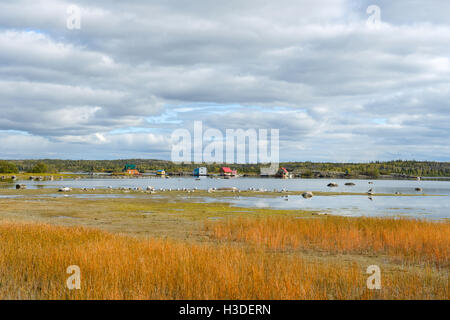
point(332, 184)
point(227, 189)
point(349, 184)
point(20, 186)
point(65, 189)
point(307, 195)
point(418, 189)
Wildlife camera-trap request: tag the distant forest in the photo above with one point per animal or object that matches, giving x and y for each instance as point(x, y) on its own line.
point(305, 169)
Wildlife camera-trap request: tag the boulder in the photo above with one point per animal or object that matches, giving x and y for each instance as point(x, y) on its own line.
point(332, 184)
point(227, 189)
point(307, 195)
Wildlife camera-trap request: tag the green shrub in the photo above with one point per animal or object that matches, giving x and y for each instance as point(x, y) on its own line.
point(8, 167)
point(40, 168)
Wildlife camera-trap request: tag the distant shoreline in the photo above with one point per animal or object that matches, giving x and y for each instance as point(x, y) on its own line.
point(9, 178)
point(397, 170)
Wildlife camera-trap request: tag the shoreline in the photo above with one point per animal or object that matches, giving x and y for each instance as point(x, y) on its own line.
point(100, 176)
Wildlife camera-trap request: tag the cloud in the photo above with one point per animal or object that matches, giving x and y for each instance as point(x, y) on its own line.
point(337, 89)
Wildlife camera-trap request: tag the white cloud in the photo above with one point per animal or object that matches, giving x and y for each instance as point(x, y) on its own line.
point(312, 69)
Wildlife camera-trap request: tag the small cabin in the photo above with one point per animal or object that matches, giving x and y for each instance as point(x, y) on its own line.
point(226, 171)
point(201, 171)
point(131, 169)
point(283, 173)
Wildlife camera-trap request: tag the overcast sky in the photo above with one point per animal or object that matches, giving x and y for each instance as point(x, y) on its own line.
point(339, 88)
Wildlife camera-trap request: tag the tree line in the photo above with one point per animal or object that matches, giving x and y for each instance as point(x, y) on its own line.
point(305, 169)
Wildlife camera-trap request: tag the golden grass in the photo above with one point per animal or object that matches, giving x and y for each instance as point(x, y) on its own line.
point(406, 240)
point(34, 258)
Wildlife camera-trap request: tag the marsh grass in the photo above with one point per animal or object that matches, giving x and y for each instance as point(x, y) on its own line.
point(403, 240)
point(34, 258)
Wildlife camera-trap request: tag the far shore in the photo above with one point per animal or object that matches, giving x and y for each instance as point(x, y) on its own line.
point(7, 177)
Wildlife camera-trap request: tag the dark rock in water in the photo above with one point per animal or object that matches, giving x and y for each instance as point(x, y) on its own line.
point(20, 186)
point(349, 184)
point(332, 184)
point(418, 189)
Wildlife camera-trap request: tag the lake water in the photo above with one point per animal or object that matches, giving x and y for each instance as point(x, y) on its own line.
point(430, 207)
point(433, 207)
point(379, 186)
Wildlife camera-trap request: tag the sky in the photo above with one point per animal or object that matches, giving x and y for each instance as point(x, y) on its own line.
point(343, 81)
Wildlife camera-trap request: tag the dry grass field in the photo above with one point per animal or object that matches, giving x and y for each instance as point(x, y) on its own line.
point(34, 258)
point(403, 240)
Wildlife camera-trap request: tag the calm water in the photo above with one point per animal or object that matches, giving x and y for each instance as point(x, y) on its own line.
point(379, 186)
point(421, 207)
point(433, 207)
